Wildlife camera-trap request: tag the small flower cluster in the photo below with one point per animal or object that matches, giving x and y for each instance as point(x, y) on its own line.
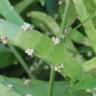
point(27, 82)
point(26, 26)
point(93, 91)
point(56, 40)
point(89, 53)
point(60, 2)
point(29, 51)
point(4, 39)
point(57, 68)
point(10, 86)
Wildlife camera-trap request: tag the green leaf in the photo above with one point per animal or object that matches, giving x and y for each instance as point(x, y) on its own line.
point(51, 7)
point(22, 5)
point(43, 46)
point(90, 64)
point(6, 57)
point(7, 92)
point(78, 37)
point(71, 13)
point(79, 93)
point(87, 82)
point(8, 12)
point(91, 9)
point(43, 2)
point(75, 35)
point(49, 22)
point(94, 1)
point(88, 25)
point(38, 88)
point(20, 89)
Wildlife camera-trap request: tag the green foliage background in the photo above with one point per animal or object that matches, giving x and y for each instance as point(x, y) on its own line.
point(73, 22)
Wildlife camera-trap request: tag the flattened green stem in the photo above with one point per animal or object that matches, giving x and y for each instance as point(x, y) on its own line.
point(22, 5)
point(51, 82)
point(20, 59)
point(64, 18)
point(84, 21)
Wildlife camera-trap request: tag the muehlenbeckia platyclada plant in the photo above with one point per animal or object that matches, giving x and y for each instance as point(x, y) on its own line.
point(51, 50)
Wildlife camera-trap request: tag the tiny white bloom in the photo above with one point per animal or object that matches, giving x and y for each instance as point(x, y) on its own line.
point(26, 26)
point(56, 40)
point(88, 90)
point(29, 51)
point(27, 82)
point(58, 68)
point(60, 2)
point(28, 95)
point(63, 37)
point(94, 94)
point(3, 39)
point(62, 65)
point(10, 86)
point(89, 53)
point(12, 7)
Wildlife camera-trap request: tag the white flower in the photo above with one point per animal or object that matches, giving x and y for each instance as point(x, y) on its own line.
point(10, 86)
point(26, 26)
point(60, 2)
point(27, 82)
point(88, 90)
point(56, 40)
point(89, 53)
point(57, 68)
point(94, 94)
point(29, 51)
point(28, 95)
point(3, 39)
point(12, 7)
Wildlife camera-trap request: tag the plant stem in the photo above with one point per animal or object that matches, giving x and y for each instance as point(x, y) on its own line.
point(88, 18)
point(64, 18)
point(20, 59)
point(51, 82)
